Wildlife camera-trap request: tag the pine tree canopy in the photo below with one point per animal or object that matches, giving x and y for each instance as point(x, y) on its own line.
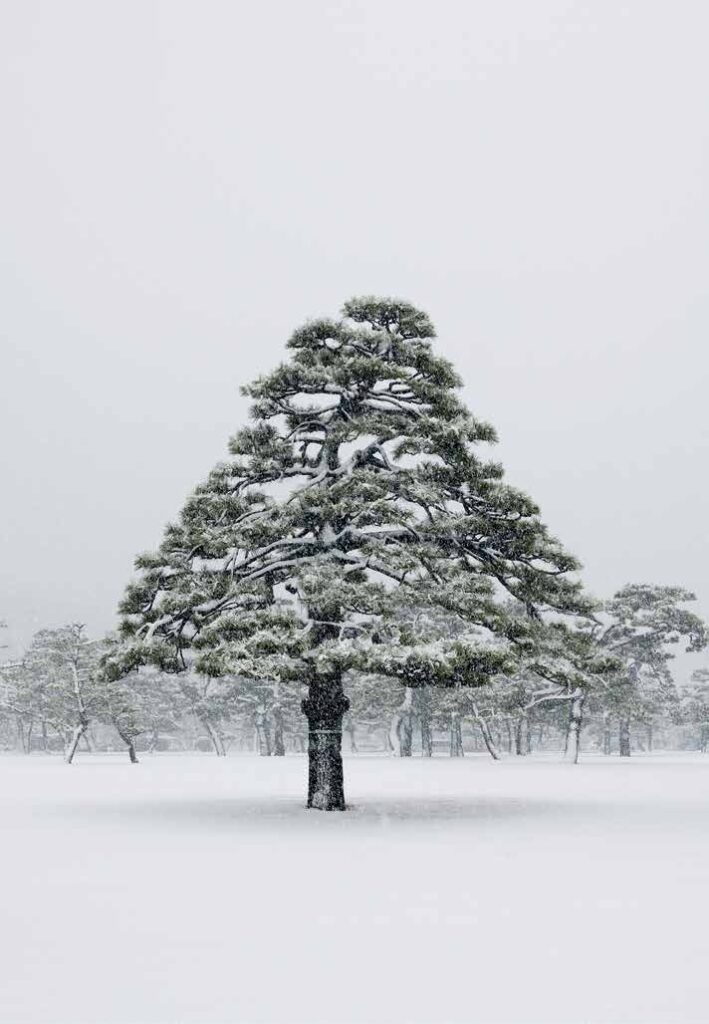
point(357, 491)
point(638, 627)
point(645, 620)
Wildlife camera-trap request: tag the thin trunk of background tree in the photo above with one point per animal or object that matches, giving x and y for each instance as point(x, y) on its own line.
point(128, 740)
point(573, 734)
point(423, 712)
point(402, 725)
point(349, 728)
point(521, 728)
point(456, 735)
point(279, 746)
point(624, 737)
point(76, 735)
point(263, 733)
point(214, 737)
point(83, 719)
point(153, 742)
point(487, 738)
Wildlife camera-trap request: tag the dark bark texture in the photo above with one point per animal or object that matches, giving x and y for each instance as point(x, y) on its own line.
point(324, 708)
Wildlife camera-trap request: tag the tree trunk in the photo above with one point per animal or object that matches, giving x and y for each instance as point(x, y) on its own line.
point(456, 735)
point(349, 728)
point(76, 735)
point(324, 708)
point(23, 735)
point(624, 737)
point(402, 725)
point(406, 733)
point(573, 734)
point(214, 737)
point(521, 727)
point(423, 709)
point(263, 734)
point(153, 741)
point(279, 746)
point(45, 737)
point(487, 737)
point(426, 738)
point(510, 738)
point(606, 733)
point(649, 739)
point(128, 740)
point(83, 718)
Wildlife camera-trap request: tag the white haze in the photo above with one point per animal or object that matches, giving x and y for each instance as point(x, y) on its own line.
point(182, 184)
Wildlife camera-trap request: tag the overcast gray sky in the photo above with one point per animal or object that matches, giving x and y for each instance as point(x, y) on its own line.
point(183, 183)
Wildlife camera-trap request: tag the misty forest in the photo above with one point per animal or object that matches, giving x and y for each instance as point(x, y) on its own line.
point(354, 591)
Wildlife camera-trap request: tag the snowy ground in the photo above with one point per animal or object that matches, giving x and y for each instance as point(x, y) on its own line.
point(195, 890)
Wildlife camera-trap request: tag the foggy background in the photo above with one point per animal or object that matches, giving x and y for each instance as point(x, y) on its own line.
point(182, 184)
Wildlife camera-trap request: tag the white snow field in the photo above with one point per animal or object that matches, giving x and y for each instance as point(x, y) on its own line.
point(196, 890)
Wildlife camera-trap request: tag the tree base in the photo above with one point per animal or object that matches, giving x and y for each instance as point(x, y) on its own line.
point(326, 790)
point(324, 710)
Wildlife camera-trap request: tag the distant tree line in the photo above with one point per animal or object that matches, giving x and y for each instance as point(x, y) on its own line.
point(58, 697)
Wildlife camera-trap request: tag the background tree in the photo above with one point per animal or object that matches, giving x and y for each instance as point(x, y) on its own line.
point(62, 669)
point(208, 700)
point(140, 705)
point(273, 709)
point(356, 492)
point(373, 703)
point(693, 707)
point(639, 627)
point(21, 702)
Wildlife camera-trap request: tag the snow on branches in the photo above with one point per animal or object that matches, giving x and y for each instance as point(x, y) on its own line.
point(356, 492)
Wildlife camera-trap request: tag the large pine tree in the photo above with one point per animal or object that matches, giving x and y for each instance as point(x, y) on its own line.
point(356, 492)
